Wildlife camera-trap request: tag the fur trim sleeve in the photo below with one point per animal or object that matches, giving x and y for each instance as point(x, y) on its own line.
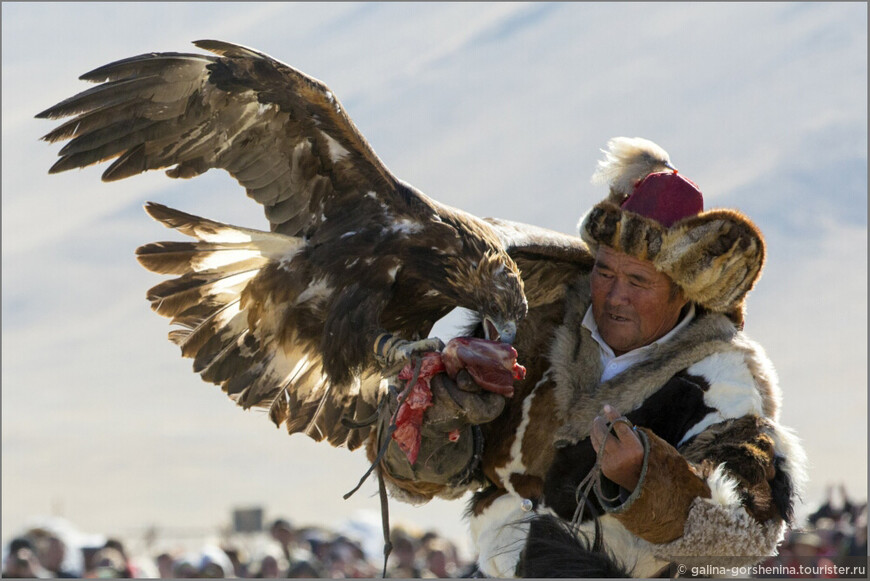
point(721, 527)
point(746, 455)
point(657, 509)
point(752, 477)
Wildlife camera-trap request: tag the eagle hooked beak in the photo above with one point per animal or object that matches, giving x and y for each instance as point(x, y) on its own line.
point(496, 330)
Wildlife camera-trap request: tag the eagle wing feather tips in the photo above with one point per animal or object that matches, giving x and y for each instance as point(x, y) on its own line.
point(229, 49)
point(188, 113)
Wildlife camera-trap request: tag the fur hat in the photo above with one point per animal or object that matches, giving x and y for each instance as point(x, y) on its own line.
point(653, 213)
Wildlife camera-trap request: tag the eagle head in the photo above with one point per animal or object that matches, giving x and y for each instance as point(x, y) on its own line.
point(493, 288)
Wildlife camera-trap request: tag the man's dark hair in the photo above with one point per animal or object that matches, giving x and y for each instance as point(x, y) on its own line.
point(675, 290)
point(19, 543)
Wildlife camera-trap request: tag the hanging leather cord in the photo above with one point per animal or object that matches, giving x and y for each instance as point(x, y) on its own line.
point(591, 482)
point(400, 399)
point(385, 518)
point(376, 464)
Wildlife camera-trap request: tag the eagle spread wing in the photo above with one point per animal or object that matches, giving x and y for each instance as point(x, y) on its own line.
point(286, 320)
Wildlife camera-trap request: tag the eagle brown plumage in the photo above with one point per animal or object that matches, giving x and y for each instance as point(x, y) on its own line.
point(286, 320)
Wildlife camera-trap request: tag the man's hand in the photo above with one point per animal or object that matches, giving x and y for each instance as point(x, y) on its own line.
point(623, 451)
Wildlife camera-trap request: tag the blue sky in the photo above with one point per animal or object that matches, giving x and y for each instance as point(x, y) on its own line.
point(499, 109)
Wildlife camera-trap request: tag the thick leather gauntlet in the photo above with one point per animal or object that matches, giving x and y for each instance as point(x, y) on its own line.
point(451, 446)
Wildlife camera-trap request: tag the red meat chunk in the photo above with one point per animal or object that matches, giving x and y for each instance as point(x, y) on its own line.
point(492, 365)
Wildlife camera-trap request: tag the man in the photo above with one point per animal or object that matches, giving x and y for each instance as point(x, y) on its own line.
point(21, 561)
point(647, 418)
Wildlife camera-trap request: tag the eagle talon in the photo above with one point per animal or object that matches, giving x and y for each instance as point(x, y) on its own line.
point(408, 349)
point(390, 351)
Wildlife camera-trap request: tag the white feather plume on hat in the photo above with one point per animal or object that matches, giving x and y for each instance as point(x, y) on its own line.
point(628, 160)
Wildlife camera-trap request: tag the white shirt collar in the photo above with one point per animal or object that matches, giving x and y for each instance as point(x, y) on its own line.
point(613, 365)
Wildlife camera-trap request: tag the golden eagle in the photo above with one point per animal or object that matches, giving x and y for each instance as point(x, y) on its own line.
point(358, 264)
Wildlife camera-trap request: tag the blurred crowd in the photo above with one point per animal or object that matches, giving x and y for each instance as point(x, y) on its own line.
point(836, 531)
point(831, 534)
point(285, 552)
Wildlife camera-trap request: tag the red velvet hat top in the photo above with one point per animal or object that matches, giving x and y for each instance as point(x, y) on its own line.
point(665, 197)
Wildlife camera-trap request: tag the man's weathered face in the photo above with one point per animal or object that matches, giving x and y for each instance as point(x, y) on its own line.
point(632, 302)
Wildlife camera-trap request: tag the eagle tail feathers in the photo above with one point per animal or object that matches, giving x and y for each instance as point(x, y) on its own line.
point(258, 360)
point(187, 257)
point(202, 328)
point(272, 245)
point(215, 271)
point(218, 286)
point(223, 345)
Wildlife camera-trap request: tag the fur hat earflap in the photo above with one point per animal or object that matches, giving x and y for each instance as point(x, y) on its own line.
point(715, 257)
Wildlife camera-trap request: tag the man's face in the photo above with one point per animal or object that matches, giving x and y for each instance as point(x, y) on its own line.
point(631, 301)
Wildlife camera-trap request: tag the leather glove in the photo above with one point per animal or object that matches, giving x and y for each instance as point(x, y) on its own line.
point(461, 402)
point(451, 443)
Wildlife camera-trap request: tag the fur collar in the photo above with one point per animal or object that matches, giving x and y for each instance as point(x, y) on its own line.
point(576, 365)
